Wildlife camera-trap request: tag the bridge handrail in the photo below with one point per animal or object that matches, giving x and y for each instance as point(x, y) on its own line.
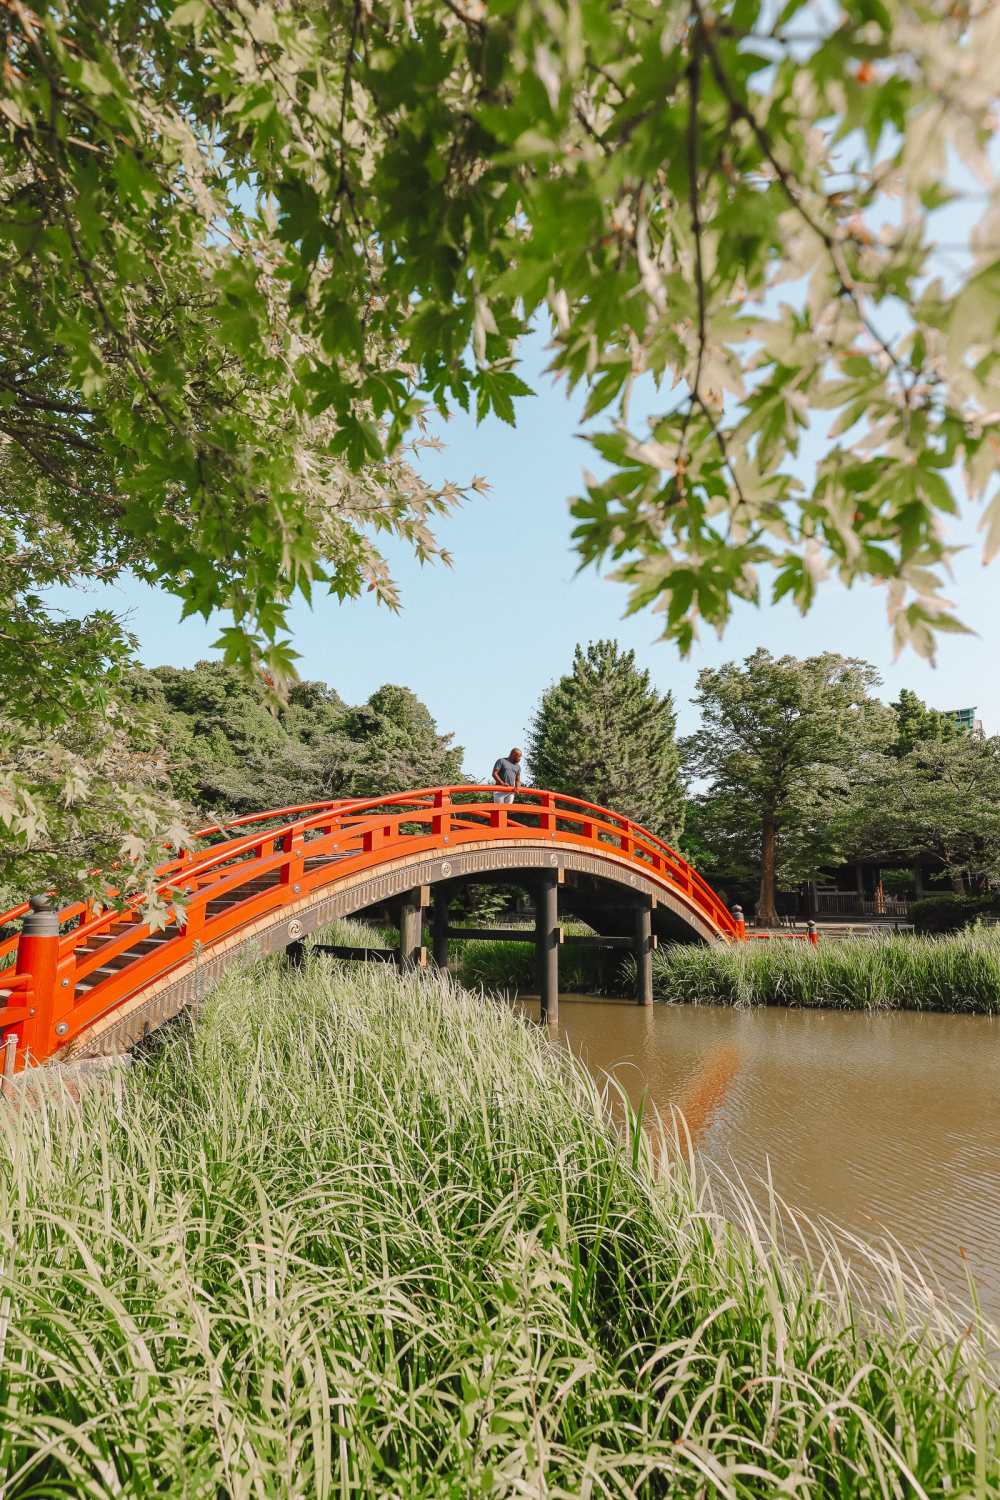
point(361, 804)
point(566, 805)
point(15, 913)
point(356, 804)
point(179, 872)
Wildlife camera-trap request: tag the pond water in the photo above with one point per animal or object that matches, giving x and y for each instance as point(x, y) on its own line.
point(883, 1125)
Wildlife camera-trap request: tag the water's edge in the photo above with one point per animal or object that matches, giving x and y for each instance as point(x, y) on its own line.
point(884, 1124)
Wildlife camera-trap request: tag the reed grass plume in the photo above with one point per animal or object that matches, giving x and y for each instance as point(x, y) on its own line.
point(360, 1234)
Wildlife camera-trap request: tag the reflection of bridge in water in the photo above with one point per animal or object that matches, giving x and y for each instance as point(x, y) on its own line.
point(80, 982)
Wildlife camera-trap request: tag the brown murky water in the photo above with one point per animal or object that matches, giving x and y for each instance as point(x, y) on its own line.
point(881, 1125)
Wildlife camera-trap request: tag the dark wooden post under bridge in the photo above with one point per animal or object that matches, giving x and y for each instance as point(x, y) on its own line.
point(547, 940)
point(411, 927)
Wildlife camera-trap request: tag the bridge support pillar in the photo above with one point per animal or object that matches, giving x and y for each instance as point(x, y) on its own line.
point(644, 954)
point(547, 946)
point(440, 926)
point(411, 927)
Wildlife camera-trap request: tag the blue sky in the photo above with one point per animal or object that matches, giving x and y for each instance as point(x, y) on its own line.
point(479, 642)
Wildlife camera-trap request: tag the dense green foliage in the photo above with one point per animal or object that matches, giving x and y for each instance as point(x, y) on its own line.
point(511, 968)
point(916, 724)
point(232, 750)
point(958, 974)
point(243, 246)
point(84, 794)
point(226, 748)
point(778, 748)
point(939, 801)
point(82, 780)
point(603, 733)
point(357, 1235)
point(950, 912)
point(913, 788)
point(186, 747)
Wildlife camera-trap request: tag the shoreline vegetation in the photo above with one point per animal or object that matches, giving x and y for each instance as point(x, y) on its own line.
point(958, 974)
point(355, 1233)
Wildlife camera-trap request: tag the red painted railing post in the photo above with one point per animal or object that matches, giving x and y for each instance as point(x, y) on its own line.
point(441, 821)
point(38, 956)
point(194, 916)
point(741, 926)
point(293, 844)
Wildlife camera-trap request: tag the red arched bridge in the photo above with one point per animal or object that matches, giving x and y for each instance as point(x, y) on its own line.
point(82, 981)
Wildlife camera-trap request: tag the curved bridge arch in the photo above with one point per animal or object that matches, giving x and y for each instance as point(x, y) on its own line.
point(86, 982)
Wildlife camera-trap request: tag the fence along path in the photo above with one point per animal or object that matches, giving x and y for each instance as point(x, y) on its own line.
point(66, 975)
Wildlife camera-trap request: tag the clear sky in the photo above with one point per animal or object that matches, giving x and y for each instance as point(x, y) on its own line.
point(479, 642)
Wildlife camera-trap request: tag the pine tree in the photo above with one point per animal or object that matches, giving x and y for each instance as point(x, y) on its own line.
point(603, 733)
point(918, 724)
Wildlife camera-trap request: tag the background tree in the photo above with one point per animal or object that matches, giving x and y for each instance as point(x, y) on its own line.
point(817, 832)
point(934, 798)
point(172, 748)
point(95, 795)
point(227, 750)
point(83, 783)
point(778, 746)
point(390, 743)
point(916, 723)
point(603, 732)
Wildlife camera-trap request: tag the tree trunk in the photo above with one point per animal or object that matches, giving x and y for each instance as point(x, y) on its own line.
point(957, 882)
point(766, 912)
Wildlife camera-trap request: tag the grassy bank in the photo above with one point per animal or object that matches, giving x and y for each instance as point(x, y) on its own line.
point(959, 973)
point(506, 967)
point(358, 1235)
point(511, 967)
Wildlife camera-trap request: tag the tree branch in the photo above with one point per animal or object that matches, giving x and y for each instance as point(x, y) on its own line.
point(791, 190)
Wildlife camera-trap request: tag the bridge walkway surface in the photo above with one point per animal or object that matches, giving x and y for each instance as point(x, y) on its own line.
point(82, 981)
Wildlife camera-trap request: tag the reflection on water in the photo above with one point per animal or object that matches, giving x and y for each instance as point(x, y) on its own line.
point(701, 1097)
point(880, 1124)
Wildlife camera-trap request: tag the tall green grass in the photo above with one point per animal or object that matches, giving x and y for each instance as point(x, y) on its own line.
point(366, 1235)
point(505, 966)
point(510, 966)
point(959, 973)
point(349, 932)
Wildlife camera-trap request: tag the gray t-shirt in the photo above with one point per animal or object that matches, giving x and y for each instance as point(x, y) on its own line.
point(507, 770)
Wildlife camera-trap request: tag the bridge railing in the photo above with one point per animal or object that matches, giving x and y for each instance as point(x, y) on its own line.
point(282, 855)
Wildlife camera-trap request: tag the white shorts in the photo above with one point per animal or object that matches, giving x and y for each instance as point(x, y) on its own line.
point(503, 796)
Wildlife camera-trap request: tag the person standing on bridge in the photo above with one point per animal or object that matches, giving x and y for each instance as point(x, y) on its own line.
point(507, 772)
